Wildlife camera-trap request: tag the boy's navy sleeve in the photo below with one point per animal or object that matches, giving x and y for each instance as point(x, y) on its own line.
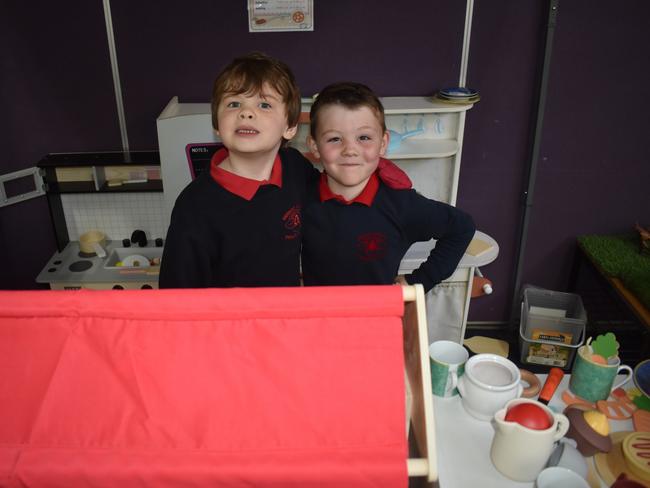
point(453, 230)
point(309, 170)
point(186, 257)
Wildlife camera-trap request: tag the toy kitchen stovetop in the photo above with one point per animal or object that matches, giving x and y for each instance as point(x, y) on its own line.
point(72, 269)
point(116, 193)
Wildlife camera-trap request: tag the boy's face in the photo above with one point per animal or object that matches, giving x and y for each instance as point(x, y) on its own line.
point(253, 123)
point(349, 143)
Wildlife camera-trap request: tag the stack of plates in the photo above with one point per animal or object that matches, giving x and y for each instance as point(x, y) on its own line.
point(457, 95)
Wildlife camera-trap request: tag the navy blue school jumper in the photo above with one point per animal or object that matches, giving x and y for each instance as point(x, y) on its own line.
point(363, 241)
point(217, 238)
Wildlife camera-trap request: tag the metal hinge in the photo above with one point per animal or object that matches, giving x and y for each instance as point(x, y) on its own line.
point(32, 182)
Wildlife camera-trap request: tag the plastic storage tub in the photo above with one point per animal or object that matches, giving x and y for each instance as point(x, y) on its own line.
point(552, 327)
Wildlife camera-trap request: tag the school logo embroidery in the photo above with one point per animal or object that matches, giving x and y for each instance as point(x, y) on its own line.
point(291, 219)
point(371, 246)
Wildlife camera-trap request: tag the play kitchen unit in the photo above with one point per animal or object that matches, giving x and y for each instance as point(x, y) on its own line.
point(107, 217)
point(426, 142)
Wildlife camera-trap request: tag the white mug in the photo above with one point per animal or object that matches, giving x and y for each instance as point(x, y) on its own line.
point(556, 477)
point(489, 382)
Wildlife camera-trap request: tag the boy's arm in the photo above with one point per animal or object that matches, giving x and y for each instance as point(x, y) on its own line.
point(294, 156)
point(453, 230)
point(185, 262)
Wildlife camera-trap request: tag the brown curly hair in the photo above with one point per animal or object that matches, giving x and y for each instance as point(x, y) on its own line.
point(249, 74)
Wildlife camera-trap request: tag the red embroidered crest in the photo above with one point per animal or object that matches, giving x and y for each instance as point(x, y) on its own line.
point(291, 219)
point(371, 246)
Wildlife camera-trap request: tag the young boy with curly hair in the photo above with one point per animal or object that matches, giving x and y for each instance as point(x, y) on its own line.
point(239, 224)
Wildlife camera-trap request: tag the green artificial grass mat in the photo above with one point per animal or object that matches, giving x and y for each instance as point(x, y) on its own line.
point(619, 257)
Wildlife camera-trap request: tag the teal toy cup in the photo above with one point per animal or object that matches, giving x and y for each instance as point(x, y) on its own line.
point(594, 381)
point(447, 360)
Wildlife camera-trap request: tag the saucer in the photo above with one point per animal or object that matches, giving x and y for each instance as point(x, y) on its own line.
point(610, 465)
point(458, 92)
point(463, 101)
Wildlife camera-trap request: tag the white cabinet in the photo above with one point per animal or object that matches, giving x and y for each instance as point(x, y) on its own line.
point(432, 158)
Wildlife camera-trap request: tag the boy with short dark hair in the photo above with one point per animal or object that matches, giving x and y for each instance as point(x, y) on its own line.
point(357, 229)
point(240, 223)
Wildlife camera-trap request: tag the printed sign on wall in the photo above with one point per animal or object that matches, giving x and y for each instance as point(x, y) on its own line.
point(280, 15)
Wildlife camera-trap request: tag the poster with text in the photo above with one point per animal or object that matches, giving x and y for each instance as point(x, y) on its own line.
point(280, 15)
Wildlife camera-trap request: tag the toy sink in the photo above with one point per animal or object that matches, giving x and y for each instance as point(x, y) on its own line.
point(132, 257)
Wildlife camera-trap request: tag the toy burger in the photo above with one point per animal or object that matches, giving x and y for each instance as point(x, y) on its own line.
point(590, 430)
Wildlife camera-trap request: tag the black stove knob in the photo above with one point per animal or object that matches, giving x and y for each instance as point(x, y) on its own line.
point(138, 237)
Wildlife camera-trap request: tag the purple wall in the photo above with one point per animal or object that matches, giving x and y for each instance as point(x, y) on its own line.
point(165, 50)
point(594, 166)
point(58, 96)
point(504, 62)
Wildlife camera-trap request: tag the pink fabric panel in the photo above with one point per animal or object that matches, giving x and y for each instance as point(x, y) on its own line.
point(238, 387)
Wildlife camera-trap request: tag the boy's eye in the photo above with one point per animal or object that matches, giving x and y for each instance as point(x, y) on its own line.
point(365, 138)
point(233, 105)
point(265, 105)
point(333, 139)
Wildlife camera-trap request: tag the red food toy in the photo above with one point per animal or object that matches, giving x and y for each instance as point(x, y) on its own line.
point(529, 415)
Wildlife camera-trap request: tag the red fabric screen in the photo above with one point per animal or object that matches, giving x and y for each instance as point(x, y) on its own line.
point(284, 387)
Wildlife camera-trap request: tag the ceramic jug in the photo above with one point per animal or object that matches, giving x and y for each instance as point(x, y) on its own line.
point(521, 453)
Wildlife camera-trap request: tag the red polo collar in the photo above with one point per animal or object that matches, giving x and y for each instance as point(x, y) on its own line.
point(239, 185)
point(366, 196)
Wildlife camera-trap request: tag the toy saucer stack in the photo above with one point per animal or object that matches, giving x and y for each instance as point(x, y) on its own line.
point(459, 95)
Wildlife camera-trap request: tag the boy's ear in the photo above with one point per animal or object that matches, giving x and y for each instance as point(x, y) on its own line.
point(290, 132)
point(384, 143)
point(313, 148)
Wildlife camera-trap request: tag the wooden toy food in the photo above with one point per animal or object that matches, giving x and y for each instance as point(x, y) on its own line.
point(590, 430)
point(636, 450)
point(641, 419)
point(529, 415)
